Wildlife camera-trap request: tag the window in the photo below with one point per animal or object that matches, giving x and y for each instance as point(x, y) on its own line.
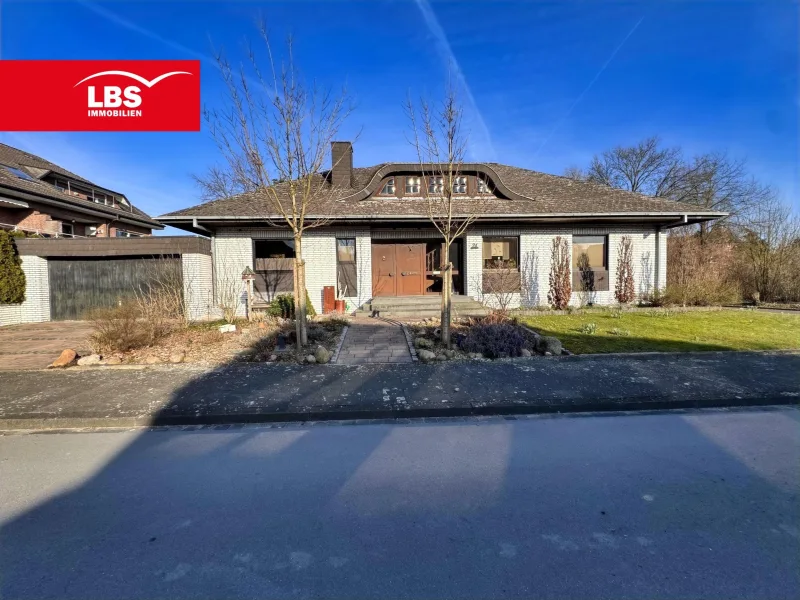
point(388, 187)
point(274, 267)
point(501, 253)
point(590, 263)
point(19, 173)
point(483, 187)
point(91, 230)
point(413, 186)
point(435, 185)
point(501, 265)
point(460, 185)
point(346, 272)
point(67, 229)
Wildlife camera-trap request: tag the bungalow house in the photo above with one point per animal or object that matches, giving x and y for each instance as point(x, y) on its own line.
point(378, 242)
point(40, 197)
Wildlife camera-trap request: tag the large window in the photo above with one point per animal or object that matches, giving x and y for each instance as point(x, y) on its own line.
point(274, 266)
point(501, 265)
point(590, 263)
point(460, 185)
point(346, 272)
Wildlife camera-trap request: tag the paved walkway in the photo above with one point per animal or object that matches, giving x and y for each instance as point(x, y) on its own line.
point(36, 345)
point(374, 341)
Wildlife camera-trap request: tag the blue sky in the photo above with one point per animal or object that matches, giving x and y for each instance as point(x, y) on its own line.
point(548, 84)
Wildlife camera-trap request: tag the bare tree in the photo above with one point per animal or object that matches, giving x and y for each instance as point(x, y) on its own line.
point(440, 144)
point(576, 173)
point(770, 249)
point(645, 167)
point(717, 182)
point(274, 134)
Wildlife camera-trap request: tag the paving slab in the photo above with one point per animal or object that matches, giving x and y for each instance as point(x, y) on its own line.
point(236, 393)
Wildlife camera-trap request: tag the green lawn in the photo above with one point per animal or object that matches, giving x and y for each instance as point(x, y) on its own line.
point(661, 330)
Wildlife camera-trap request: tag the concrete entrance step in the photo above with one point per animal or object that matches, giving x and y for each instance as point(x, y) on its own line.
point(421, 307)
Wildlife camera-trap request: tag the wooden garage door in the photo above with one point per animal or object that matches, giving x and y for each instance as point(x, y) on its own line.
point(78, 286)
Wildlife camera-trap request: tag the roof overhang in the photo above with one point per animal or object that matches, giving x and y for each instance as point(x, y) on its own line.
point(12, 203)
point(207, 225)
point(131, 219)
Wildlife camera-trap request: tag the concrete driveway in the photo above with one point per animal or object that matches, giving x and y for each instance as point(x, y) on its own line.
point(36, 345)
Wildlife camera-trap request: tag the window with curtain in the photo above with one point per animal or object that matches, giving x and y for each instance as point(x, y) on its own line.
point(590, 263)
point(346, 271)
point(501, 265)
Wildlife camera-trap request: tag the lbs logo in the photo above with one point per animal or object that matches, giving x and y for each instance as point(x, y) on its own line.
point(103, 96)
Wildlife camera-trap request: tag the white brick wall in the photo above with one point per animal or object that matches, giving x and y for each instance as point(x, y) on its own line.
point(233, 247)
point(36, 306)
point(197, 286)
point(231, 254)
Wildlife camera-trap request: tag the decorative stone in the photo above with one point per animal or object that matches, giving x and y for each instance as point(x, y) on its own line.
point(526, 353)
point(549, 344)
point(229, 328)
point(178, 357)
point(272, 358)
point(441, 357)
point(475, 355)
point(152, 360)
point(426, 355)
point(112, 360)
point(65, 359)
point(310, 359)
point(422, 342)
point(449, 353)
point(89, 361)
point(322, 355)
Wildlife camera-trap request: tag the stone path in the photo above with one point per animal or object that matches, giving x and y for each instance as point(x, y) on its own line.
point(36, 345)
point(371, 340)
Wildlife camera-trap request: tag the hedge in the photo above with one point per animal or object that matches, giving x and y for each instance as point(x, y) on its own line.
point(12, 277)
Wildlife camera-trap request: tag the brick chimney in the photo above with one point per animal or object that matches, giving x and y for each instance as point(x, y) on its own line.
point(341, 164)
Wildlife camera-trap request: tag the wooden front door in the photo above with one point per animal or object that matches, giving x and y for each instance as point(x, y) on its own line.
point(384, 279)
point(410, 263)
point(398, 269)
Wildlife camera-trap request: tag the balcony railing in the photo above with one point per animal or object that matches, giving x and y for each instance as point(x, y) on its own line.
point(40, 231)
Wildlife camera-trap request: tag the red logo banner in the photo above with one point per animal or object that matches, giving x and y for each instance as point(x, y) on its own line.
point(100, 95)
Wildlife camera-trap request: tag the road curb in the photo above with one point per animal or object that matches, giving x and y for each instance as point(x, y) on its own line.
point(391, 414)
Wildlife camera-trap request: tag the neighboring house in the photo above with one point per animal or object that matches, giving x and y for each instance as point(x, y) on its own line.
point(378, 240)
point(39, 197)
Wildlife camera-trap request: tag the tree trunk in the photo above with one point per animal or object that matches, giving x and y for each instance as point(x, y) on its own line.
point(447, 286)
point(300, 308)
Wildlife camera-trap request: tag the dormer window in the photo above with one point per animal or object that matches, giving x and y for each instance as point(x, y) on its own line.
point(388, 187)
point(483, 187)
point(435, 185)
point(460, 185)
point(413, 186)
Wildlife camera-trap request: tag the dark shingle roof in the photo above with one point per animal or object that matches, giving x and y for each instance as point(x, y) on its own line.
point(38, 167)
point(520, 192)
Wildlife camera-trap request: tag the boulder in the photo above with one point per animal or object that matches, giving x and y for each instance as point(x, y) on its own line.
point(475, 355)
point(441, 357)
point(177, 357)
point(549, 344)
point(112, 360)
point(321, 355)
point(426, 355)
point(310, 359)
point(422, 342)
point(152, 360)
point(90, 361)
point(65, 359)
point(525, 352)
point(449, 353)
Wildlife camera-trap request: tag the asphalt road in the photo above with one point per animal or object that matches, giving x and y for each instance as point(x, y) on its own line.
point(700, 505)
